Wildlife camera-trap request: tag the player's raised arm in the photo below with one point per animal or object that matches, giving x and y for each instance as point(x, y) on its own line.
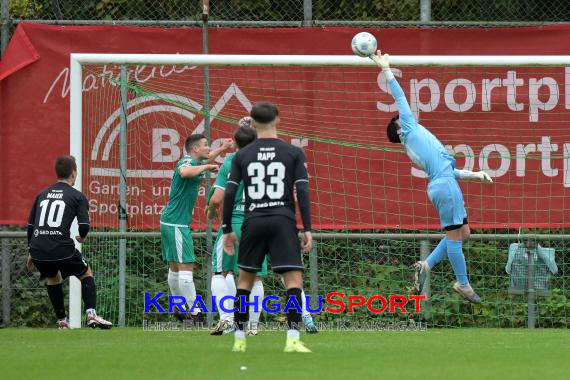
point(229, 198)
point(227, 144)
point(217, 192)
point(189, 171)
point(407, 118)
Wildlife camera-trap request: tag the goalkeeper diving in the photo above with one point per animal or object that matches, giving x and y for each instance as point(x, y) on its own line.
point(429, 154)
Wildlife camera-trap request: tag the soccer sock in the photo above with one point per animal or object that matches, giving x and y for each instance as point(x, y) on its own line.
point(293, 316)
point(240, 317)
point(89, 293)
point(438, 254)
point(231, 284)
point(220, 290)
point(173, 284)
point(187, 288)
point(306, 314)
point(258, 291)
point(457, 259)
point(55, 293)
point(232, 290)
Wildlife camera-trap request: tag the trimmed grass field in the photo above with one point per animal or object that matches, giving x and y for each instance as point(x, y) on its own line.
point(132, 353)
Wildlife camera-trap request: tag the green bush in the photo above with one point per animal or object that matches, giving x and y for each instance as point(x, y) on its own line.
point(355, 267)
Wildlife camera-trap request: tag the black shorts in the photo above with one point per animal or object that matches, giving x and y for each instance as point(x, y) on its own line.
point(276, 236)
point(72, 266)
point(457, 226)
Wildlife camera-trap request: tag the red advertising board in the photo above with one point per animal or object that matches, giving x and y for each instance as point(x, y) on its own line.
point(510, 121)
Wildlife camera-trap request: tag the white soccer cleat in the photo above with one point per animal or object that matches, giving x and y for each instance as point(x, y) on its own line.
point(63, 324)
point(467, 292)
point(421, 269)
point(95, 321)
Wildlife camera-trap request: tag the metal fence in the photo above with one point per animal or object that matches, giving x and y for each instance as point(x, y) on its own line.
point(367, 263)
point(284, 13)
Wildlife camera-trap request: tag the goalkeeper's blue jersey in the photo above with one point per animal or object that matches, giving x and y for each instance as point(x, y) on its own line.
point(423, 148)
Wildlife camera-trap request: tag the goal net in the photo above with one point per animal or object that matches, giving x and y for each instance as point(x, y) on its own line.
point(507, 116)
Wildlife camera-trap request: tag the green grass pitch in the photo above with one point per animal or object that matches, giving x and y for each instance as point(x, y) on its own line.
point(433, 354)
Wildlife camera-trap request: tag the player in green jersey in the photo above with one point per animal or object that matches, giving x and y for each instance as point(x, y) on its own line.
point(176, 239)
point(223, 265)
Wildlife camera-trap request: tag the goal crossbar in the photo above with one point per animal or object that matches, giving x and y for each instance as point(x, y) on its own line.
point(319, 60)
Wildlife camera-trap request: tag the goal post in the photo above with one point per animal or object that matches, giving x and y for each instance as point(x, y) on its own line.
point(337, 108)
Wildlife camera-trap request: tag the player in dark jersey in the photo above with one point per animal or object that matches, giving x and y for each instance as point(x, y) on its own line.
point(270, 169)
point(52, 250)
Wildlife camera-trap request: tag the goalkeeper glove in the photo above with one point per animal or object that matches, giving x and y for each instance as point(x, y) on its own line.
point(381, 60)
point(468, 174)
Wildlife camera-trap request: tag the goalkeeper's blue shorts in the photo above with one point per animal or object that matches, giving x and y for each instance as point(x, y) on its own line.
point(446, 196)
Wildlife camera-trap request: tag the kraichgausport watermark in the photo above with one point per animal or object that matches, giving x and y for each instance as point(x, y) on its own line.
point(338, 325)
point(335, 303)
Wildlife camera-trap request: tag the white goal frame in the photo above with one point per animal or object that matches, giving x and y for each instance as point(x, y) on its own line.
point(79, 59)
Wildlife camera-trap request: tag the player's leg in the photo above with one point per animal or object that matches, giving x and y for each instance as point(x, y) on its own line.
point(447, 197)
point(310, 326)
point(222, 266)
point(294, 284)
point(56, 297)
point(252, 248)
point(218, 285)
point(245, 284)
point(256, 297)
point(186, 259)
point(55, 290)
point(170, 256)
point(422, 268)
point(457, 258)
point(286, 259)
point(77, 266)
point(230, 265)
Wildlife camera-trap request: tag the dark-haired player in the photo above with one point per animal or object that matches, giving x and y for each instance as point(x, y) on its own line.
point(176, 239)
point(52, 250)
point(223, 265)
point(269, 168)
point(428, 153)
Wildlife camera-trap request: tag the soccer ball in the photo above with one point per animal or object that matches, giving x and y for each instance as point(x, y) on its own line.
point(364, 44)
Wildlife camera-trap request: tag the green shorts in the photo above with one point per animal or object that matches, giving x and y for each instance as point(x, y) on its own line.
point(222, 262)
point(177, 245)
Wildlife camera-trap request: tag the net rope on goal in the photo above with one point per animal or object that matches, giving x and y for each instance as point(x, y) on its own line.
point(510, 121)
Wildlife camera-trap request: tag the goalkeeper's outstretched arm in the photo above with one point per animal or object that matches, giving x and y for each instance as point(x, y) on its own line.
point(474, 176)
point(407, 119)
